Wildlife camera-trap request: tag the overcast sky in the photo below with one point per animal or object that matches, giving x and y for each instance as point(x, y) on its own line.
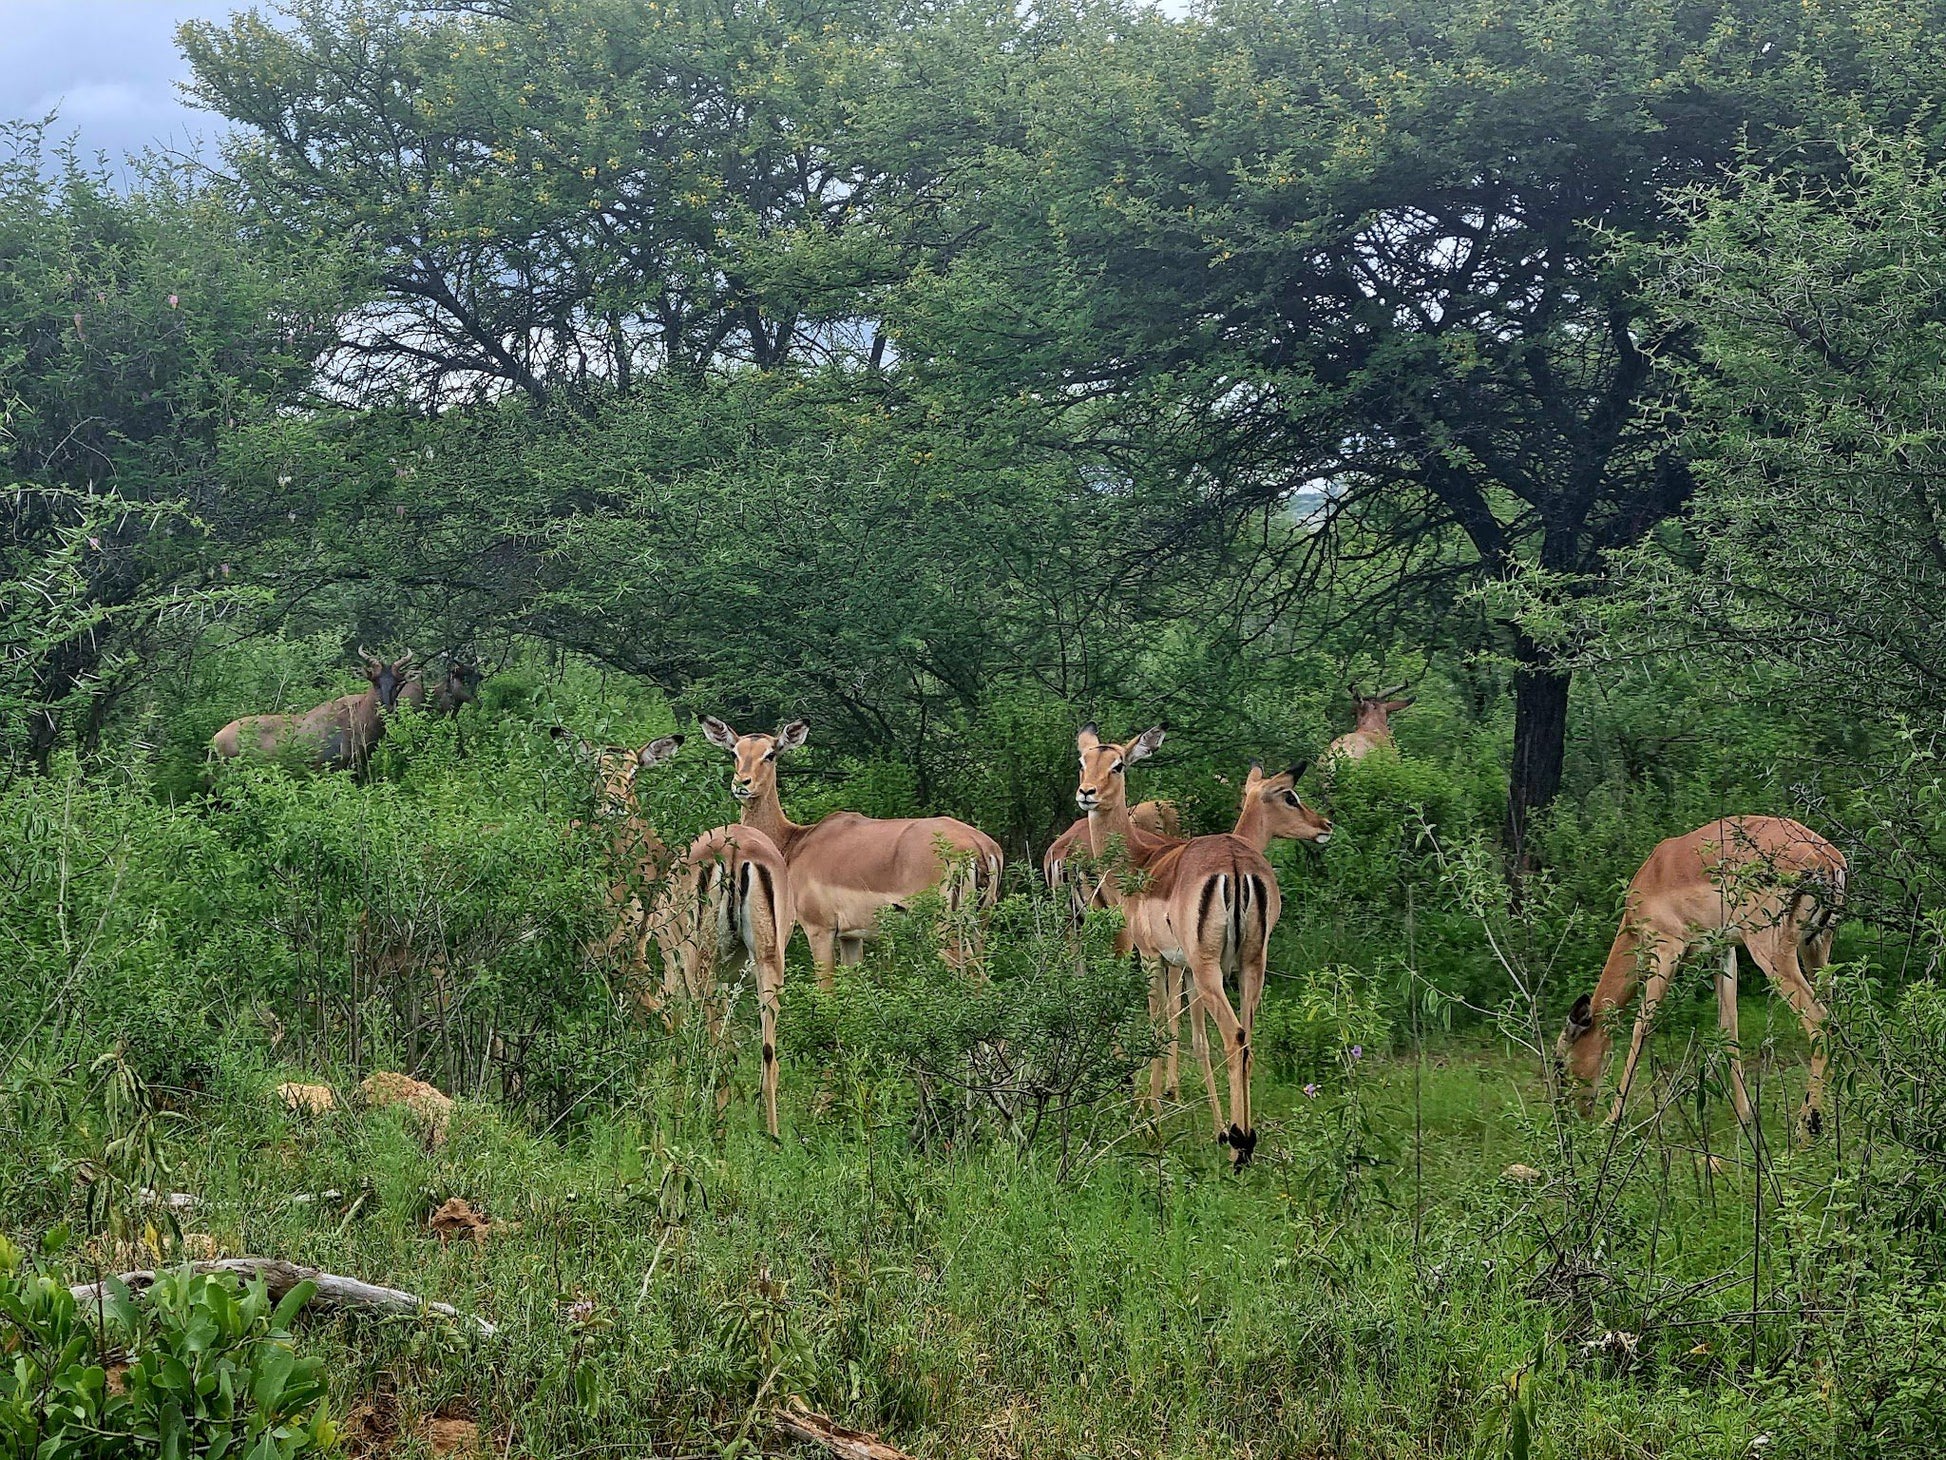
point(109, 67)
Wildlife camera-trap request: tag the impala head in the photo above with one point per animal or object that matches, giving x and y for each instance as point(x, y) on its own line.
point(617, 766)
point(1580, 1051)
point(1283, 810)
point(1375, 711)
point(387, 678)
point(756, 754)
point(1104, 783)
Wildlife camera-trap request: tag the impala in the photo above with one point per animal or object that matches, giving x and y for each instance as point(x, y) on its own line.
point(721, 904)
point(1374, 728)
point(1206, 906)
point(846, 868)
point(1767, 882)
point(334, 736)
point(1160, 818)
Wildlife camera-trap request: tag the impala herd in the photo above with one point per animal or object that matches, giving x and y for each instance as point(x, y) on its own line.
point(1198, 911)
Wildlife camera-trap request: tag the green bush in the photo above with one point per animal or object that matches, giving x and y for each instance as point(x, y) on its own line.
point(202, 1366)
point(1036, 1039)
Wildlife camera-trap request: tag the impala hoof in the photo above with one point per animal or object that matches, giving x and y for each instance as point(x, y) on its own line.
point(1242, 1144)
point(1814, 1123)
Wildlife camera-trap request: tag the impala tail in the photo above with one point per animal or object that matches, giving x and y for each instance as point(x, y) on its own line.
point(1235, 916)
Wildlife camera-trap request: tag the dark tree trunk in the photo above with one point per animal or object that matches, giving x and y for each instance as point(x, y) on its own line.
point(1540, 745)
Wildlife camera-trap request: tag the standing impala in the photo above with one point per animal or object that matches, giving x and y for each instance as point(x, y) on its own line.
point(1206, 905)
point(1271, 811)
point(719, 905)
point(1374, 728)
point(846, 868)
point(1767, 882)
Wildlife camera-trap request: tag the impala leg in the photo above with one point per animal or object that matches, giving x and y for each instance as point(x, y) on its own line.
point(770, 983)
point(1666, 956)
point(1208, 976)
point(824, 954)
point(1726, 1018)
point(1159, 1017)
point(1172, 991)
point(1776, 953)
point(1199, 1041)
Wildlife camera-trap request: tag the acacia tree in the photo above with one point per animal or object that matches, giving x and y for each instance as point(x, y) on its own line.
point(550, 193)
point(1817, 420)
point(1297, 244)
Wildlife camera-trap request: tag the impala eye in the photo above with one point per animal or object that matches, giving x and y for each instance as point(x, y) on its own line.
point(771, 756)
point(1116, 768)
point(1291, 797)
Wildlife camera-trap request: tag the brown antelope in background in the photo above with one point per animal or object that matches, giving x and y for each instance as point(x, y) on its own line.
point(1206, 906)
point(456, 688)
point(1767, 882)
point(721, 903)
point(846, 869)
point(1374, 728)
point(336, 735)
point(1159, 818)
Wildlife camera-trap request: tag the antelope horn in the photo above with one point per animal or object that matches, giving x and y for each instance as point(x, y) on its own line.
point(1395, 689)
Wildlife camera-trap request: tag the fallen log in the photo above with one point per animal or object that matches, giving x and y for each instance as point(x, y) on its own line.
point(333, 1290)
point(797, 1421)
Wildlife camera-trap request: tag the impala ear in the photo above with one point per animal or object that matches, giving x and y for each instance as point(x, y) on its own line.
point(657, 751)
point(1087, 737)
point(1296, 772)
point(1146, 744)
point(717, 733)
point(793, 735)
point(1581, 1018)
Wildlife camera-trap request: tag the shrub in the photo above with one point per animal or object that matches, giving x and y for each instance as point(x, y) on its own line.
point(202, 1366)
point(1030, 1041)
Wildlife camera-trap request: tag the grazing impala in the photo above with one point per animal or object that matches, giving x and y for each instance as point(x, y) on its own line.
point(336, 735)
point(846, 868)
point(1159, 818)
point(1206, 905)
point(1767, 882)
point(722, 903)
point(1374, 728)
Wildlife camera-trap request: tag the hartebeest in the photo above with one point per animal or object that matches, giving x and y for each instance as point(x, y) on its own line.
point(1374, 728)
point(847, 868)
point(721, 903)
point(456, 688)
point(1206, 905)
point(1767, 882)
point(336, 735)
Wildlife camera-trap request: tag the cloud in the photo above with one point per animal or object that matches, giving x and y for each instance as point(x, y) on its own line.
point(107, 68)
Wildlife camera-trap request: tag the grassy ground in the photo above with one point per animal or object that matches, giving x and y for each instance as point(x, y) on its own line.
point(661, 1276)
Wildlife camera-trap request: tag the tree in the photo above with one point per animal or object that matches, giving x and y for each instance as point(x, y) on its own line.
point(138, 329)
point(549, 194)
point(1817, 419)
point(1296, 245)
